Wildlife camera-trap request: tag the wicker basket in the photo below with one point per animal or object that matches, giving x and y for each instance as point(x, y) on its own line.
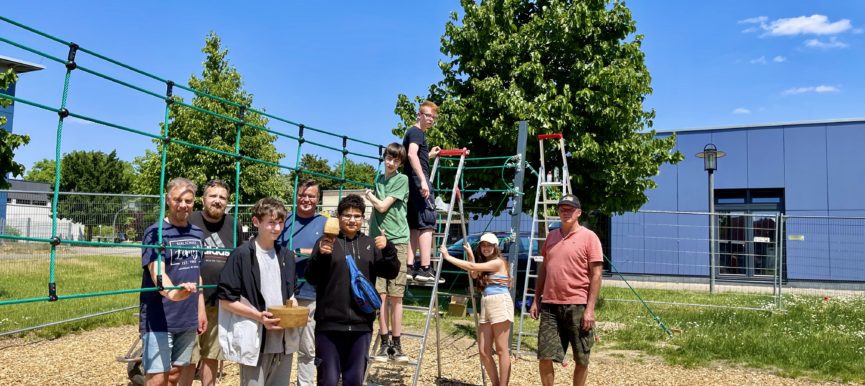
point(290, 317)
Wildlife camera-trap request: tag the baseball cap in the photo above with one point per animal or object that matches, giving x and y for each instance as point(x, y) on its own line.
point(490, 238)
point(570, 200)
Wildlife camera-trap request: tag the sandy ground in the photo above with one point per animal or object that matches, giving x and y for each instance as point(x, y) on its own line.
point(89, 359)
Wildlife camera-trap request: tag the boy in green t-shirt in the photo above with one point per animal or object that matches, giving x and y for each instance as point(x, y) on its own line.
point(389, 202)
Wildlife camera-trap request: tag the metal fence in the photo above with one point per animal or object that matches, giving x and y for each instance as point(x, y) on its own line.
point(741, 260)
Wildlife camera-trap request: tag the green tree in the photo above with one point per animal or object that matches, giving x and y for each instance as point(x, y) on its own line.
point(565, 66)
point(221, 79)
point(42, 171)
point(9, 141)
point(316, 164)
point(92, 172)
point(355, 171)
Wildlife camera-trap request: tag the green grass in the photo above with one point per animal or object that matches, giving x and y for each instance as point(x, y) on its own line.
point(821, 340)
point(22, 279)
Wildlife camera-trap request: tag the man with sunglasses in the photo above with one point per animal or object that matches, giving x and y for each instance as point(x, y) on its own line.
point(420, 197)
point(303, 228)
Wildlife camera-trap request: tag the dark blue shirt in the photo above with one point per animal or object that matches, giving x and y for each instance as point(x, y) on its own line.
point(157, 313)
point(416, 135)
point(306, 233)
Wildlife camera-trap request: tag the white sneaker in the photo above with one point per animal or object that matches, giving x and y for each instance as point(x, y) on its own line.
point(440, 205)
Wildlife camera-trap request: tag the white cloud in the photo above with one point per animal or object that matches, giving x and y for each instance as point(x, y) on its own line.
point(833, 42)
point(801, 25)
point(760, 60)
point(857, 30)
point(754, 20)
point(821, 89)
point(763, 60)
point(741, 110)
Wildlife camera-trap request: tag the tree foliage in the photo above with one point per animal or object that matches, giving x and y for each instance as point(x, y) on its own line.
point(221, 79)
point(9, 141)
point(41, 171)
point(91, 172)
point(354, 171)
point(565, 66)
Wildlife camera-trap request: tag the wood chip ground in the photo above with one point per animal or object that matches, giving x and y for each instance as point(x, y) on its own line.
point(88, 358)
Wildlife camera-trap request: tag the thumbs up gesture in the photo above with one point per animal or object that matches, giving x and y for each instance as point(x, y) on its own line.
point(381, 241)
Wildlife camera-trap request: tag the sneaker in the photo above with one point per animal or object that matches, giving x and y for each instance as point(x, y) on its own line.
point(440, 205)
point(382, 354)
point(425, 275)
point(397, 354)
point(410, 273)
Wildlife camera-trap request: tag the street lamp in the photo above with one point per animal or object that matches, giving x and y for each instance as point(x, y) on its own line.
point(710, 155)
point(131, 205)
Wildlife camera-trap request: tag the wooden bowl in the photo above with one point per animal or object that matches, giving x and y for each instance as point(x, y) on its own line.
point(290, 317)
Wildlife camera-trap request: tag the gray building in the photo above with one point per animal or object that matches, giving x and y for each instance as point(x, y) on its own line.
point(790, 199)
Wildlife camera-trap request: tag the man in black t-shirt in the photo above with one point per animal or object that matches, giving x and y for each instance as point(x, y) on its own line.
point(420, 194)
point(219, 233)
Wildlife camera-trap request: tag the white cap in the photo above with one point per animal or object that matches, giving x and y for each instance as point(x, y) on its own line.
point(490, 238)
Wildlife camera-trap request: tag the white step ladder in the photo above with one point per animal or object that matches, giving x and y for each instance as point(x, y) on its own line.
point(447, 217)
point(546, 197)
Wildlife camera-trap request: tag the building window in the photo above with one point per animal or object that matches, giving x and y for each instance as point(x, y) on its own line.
point(23, 202)
point(40, 203)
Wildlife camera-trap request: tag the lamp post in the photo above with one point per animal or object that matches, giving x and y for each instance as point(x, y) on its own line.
point(131, 205)
point(710, 155)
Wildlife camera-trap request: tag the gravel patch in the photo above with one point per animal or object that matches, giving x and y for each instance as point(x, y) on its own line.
point(88, 358)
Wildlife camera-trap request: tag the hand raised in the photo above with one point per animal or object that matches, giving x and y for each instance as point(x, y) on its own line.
point(381, 240)
point(325, 246)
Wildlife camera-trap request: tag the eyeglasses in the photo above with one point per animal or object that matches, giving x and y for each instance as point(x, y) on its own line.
point(350, 217)
point(430, 116)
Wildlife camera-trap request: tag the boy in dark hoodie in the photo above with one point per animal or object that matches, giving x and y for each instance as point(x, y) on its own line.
point(343, 331)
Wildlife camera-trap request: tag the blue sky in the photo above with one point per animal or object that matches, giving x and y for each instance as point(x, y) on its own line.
point(339, 66)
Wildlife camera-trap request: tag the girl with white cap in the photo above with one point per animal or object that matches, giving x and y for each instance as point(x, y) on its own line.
point(497, 307)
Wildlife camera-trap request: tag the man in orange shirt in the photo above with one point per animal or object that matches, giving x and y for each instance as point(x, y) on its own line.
point(567, 289)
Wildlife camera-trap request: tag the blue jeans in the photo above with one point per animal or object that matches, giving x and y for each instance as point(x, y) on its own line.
point(164, 349)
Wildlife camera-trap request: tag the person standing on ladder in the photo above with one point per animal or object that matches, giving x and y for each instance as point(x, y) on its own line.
point(304, 229)
point(421, 207)
point(567, 288)
point(389, 215)
point(219, 233)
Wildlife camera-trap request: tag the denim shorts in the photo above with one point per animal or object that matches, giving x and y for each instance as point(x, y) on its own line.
point(164, 349)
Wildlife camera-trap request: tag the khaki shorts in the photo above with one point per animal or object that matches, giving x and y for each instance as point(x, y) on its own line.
point(395, 287)
point(496, 309)
point(207, 344)
point(560, 327)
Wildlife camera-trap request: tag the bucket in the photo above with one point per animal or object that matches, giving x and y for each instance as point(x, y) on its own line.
point(290, 317)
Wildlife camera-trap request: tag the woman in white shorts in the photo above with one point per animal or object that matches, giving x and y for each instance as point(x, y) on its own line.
point(497, 308)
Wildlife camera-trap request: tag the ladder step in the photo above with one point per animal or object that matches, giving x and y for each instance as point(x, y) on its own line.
point(412, 335)
point(552, 183)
